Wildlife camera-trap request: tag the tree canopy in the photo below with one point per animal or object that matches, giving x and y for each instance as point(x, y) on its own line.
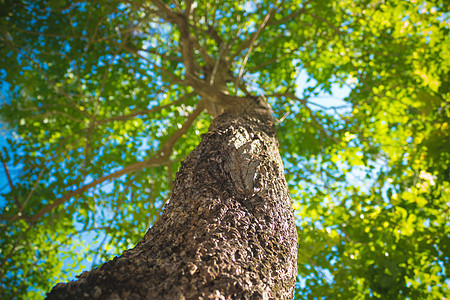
point(106, 98)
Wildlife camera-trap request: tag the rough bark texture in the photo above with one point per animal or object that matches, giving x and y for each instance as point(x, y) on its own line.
point(228, 231)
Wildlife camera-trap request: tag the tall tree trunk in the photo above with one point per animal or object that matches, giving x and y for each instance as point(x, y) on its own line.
point(227, 232)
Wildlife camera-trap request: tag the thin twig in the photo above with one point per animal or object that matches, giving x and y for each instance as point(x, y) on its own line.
point(166, 149)
point(144, 112)
point(313, 116)
point(11, 185)
point(34, 187)
point(177, 5)
point(252, 44)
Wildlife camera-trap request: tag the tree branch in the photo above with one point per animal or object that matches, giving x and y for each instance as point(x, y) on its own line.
point(177, 5)
point(16, 201)
point(313, 116)
point(166, 149)
point(144, 112)
point(164, 8)
point(102, 85)
point(252, 44)
point(163, 70)
point(248, 43)
point(182, 22)
point(34, 186)
point(154, 52)
point(56, 112)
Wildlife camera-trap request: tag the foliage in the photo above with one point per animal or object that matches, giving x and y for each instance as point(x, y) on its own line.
point(103, 109)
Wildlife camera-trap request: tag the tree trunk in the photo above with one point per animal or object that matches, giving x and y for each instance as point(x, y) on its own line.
point(227, 232)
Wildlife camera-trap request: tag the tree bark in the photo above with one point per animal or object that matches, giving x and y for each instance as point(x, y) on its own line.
point(227, 232)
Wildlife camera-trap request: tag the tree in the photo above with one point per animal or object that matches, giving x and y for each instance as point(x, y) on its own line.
point(107, 99)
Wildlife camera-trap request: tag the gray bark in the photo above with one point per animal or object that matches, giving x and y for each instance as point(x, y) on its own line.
point(227, 232)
